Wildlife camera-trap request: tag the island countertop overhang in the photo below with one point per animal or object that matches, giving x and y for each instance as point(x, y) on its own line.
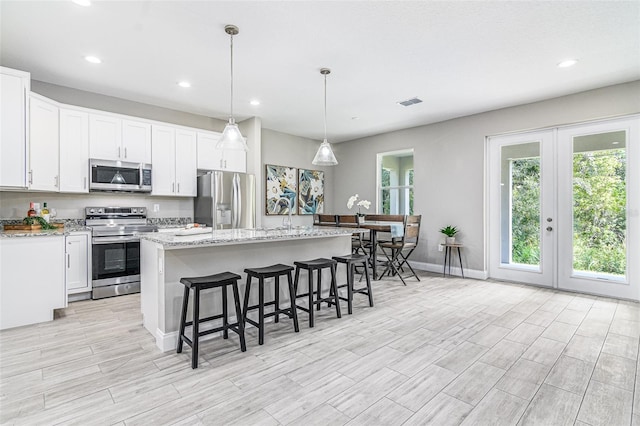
point(170, 241)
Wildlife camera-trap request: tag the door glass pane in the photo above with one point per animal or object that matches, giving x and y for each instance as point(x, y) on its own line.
point(520, 204)
point(599, 204)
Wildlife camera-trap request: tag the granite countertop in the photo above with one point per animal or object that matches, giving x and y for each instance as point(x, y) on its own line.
point(169, 240)
point(45, 233)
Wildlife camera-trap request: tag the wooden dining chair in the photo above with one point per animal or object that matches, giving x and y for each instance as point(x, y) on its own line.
point(398, 250)
point(357, 243)
point(325, 220)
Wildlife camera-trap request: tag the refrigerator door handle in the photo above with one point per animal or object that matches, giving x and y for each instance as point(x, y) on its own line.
point(236, 211)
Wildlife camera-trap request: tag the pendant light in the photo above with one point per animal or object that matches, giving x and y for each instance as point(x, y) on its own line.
point(231, 138)
point(324, 156)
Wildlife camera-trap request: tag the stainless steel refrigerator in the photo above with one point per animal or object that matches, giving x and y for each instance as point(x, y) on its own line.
point(226, 200)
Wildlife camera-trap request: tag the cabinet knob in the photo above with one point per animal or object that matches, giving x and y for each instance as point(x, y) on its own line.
point(549, 228)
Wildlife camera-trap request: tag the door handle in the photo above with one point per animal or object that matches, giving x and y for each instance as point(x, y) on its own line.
point(178, 187)
point(173, 187)
point(30, 176)
point(68, 261)
point(549, 228)
point(549, 219)
point(84, 185)
point(118, 152)
point(125, 152)
point(55, 180)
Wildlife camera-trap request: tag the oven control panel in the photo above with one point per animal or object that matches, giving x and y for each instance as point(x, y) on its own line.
point(115, 212)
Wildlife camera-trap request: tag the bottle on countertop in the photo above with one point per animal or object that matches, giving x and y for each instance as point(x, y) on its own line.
point(32, 211)
point(45, 213)
point(36, 207)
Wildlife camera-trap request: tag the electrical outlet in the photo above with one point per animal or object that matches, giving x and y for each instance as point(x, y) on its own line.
point(440, 247)
point(156, 208)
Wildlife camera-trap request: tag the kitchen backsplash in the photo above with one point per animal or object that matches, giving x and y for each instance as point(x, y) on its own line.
point(14, 205)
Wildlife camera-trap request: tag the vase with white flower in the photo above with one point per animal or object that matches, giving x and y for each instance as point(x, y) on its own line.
point(361, 204)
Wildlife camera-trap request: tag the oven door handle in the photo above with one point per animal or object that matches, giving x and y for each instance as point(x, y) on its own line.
point(111, 240)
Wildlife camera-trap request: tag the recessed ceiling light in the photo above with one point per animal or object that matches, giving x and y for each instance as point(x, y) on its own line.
point(84, 3)
point(355, 118)
point(255, 102)
point(185, 84)
point(567, 63)
point(93, 59)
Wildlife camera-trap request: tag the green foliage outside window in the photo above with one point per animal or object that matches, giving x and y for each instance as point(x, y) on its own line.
point(599, 211)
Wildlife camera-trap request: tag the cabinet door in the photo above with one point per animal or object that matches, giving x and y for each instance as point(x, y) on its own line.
point(136, 142)
point(13, 131)
point(105, 137)
point(186, 173)
point(44, 146)
point(235, 161)
point(29, 293)
point(209, 158)
point(77, 263)
point(163, 160)
point(74, 151)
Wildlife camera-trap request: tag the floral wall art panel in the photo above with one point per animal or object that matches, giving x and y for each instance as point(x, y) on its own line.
point(310, 191)
point(281, 187)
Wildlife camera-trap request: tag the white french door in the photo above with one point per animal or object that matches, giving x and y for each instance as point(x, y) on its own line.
point(564, 208)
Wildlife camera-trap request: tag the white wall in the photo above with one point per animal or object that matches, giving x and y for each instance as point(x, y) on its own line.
point(287, 150)
point(70, 96)
point(449, 163)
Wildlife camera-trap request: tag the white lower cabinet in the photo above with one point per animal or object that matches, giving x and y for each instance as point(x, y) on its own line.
point(32, 279)
point(78, 262)
point(173, 155)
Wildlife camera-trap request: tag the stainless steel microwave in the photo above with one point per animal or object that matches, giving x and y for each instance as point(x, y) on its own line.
point(121, 176)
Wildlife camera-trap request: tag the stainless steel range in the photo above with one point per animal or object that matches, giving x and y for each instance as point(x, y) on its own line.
point(116, 249)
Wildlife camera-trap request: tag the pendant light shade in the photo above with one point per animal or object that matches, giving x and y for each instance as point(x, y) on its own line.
point(325, 156)
point(231, 139)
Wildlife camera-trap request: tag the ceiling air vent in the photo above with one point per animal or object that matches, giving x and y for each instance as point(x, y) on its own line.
point(410, 102)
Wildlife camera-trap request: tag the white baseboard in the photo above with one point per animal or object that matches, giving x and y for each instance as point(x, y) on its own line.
point(433, 267)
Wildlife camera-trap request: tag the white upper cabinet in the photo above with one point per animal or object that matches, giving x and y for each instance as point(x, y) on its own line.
point(210, 158)
point(112, 138)
point(105, 137)
point(136, 142)
point(174, 161)
point(186, 167)
point(14, 119)
point(43, 144)
point(74, 151)
point(163, 172)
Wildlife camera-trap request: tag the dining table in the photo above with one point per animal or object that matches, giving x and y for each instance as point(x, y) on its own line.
point(393, 227)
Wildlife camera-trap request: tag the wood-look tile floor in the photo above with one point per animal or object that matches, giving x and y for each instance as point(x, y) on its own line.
point(440, 351)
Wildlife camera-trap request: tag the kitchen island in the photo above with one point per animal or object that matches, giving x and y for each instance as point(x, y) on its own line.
point(167, 257)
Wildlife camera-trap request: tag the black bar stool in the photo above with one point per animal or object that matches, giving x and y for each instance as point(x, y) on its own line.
point(273, 271)
point(221, 280)
point(351, 261)
point(317, 265)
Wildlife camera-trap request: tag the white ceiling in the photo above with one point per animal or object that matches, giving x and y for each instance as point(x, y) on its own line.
point(460, 58)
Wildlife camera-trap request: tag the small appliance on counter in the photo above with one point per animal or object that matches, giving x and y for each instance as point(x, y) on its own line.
point(226, 200)
point(115, 247)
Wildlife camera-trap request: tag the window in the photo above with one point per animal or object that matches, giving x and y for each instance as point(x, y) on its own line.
point(395, 182)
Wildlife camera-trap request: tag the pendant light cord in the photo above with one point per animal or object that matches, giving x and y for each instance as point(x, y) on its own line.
point(325, 107)
point(231, 35)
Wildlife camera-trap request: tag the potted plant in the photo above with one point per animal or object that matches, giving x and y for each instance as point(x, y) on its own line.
point(450, 232)
point(362, 203)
